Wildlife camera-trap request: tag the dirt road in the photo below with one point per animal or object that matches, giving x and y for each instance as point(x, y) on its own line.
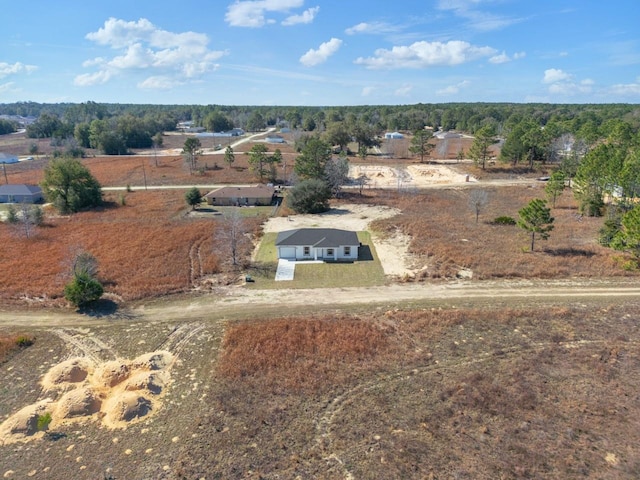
point(240, 302)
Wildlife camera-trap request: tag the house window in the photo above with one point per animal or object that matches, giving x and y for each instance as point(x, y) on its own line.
point(329, 252)
point(306, 251)
point(347, 251)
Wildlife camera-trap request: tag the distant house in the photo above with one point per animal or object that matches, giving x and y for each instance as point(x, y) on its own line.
point(6, 158)
point(392, 135)
point(275, 139)
point(318, 244)
point(20, 194)
point(241, 196)
point(442, 135)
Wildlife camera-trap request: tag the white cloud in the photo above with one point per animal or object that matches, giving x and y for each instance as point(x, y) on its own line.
point(554, 75)
point(7, 69)
point(403, 91)
point(305, 17)
point(366, 91)
point(159, 83)
point(6, 87)
point(426, 54)
point(504, 58)
point(629, 89)
point(374, 28)
point(562, 83)
point(88, 79)
point(252, 13)
point(453, 89)
point(143, 46)
point(316, 57)
point(476, 19)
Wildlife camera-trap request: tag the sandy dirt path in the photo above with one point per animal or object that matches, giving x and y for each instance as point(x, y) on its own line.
point(238, 302)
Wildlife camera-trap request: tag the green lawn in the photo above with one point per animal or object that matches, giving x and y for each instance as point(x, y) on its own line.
point(367, 271)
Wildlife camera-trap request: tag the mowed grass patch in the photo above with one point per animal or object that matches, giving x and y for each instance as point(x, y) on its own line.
point(365, 272)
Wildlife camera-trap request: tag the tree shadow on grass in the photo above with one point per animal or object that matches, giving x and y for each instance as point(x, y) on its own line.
point(569, 252)
point(105, 308)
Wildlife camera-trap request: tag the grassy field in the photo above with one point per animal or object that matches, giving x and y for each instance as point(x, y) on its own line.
point(365, 272)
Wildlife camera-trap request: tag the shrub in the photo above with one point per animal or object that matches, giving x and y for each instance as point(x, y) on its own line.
point(82, 290)
point(24, 341)
point(504, 220)
point(43, 421)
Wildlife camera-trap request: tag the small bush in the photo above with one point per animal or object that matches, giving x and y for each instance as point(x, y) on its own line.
point(504, 220)
point(24, 341)
point(43, 421)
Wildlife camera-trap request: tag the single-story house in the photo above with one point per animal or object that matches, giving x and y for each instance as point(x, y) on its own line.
point(20, 194)
point(318, 244)
point(393, 135)
point(275, 139)
point(241, 196)
point(6, 158)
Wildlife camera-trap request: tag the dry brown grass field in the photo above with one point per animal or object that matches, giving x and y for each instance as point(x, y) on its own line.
point(147, 247)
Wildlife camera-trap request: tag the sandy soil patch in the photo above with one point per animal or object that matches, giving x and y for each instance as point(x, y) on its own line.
point(116, 392)
point(392, 250)
point(385, 176)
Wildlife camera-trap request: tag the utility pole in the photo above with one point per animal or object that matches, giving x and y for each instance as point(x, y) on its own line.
point(4, 169)
point(144, 175)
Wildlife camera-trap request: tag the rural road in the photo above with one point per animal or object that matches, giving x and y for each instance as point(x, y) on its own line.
point(240, 302)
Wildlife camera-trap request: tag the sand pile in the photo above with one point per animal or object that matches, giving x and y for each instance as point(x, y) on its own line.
point(80, 402)
point(116, 393)
point(74, 370)
point(23, 423)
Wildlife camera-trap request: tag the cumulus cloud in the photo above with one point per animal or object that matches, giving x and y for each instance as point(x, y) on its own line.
point(453, 89)
point(142, 46)
point(253, 13)
point(554, 75)
point(7, 69)
point(305, 17)
point(316, 57)
point(504, 58)
point(426, 54)
point(563, 83)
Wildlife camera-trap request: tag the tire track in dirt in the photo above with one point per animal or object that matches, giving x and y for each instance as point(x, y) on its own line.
point(323, 439)
point(180, 337)
point(91, 347)
point(196, 269)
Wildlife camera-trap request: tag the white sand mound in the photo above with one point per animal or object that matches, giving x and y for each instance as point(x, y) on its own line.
point(23, 423)
point(153, 361)
point(121, 391)
point(74, 370)
point(110, 374)
point(126, 407)
point(152, 382)
point(80, 402)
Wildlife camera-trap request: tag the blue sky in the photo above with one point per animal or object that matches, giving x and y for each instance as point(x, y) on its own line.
point(320, 52)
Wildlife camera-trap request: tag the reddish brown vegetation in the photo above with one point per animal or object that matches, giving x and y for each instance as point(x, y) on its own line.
point(10, 343)
point(299, 353)
point(147, 247)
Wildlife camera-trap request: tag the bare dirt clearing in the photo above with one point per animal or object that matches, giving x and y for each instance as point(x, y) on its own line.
point(410, 176)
